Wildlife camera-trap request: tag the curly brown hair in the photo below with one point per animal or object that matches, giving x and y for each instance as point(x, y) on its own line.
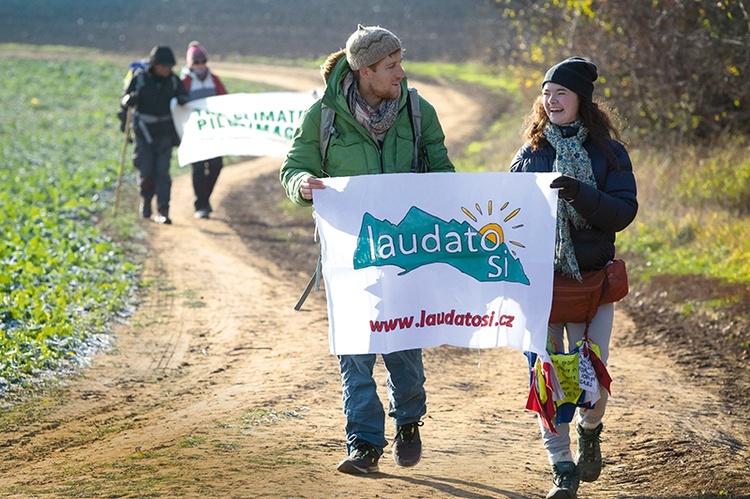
point(597, 117)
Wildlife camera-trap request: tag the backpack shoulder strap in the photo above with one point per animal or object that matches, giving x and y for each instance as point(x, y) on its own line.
point(415, 113)
point(327, 115)
point(140, 80)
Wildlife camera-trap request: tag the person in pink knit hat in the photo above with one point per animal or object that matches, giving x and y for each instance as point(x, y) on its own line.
point(200, 82)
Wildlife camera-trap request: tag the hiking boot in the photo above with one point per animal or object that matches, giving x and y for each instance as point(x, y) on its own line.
point(145, 209)
point(565, 478)
point(361, 461)
point(407, 446)
point(589, 457)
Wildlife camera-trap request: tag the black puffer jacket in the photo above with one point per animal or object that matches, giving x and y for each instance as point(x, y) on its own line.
point(153, 96)
point(608, 209)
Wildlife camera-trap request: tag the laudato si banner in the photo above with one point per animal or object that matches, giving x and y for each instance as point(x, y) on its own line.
point(418, 260)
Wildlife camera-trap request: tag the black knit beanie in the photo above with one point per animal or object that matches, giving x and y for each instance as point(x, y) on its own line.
point(576, 74)
point(161, 54)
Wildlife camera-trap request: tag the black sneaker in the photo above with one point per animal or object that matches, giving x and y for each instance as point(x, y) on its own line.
point(589, 457)
point(565, 478)
point(361, 461)
point(407, 446)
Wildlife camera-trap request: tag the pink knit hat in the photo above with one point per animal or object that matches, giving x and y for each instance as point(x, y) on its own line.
point(195, 52)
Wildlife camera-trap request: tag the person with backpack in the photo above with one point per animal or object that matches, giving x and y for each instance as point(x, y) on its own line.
point(570, 133)
point(200, 82)
point(149, 94)
point(370, 131)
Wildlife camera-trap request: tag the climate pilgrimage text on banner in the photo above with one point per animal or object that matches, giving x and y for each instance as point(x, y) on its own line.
point(259, 124)
point(419, 260)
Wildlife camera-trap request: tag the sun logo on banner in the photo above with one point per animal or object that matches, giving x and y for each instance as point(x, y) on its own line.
point(492, 230)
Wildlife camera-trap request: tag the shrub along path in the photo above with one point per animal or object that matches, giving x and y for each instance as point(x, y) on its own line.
point(218, 388)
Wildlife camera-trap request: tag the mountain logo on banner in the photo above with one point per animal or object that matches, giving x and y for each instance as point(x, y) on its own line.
point(422, 239)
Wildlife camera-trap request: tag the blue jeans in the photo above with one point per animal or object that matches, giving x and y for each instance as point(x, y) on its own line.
point(365, 418)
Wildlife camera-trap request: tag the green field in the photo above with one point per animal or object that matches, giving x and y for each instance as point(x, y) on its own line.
point(63, 280)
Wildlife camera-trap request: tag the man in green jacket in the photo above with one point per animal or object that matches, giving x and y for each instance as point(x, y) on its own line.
point(372, 133)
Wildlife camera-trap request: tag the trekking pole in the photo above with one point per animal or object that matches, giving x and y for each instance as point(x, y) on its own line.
point(122, 159)
point(314, 280)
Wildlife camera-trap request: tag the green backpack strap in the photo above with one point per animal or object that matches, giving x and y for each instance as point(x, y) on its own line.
point(327, 116)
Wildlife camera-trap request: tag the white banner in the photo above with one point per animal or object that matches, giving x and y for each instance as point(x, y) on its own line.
point(420, 260)
point(260, 124)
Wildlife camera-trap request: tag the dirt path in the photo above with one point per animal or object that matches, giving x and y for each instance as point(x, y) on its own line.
point(218, 388)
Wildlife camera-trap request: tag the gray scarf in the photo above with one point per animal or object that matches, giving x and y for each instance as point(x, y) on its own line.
point(571, 159)
point(376, 121)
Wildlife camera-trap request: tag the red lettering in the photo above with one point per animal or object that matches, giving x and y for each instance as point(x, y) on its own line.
point(506, 320)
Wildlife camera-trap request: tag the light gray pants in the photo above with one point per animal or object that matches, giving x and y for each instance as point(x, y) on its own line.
point(600, 332)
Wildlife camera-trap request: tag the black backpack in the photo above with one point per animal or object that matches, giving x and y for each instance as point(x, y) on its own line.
point(134, 68)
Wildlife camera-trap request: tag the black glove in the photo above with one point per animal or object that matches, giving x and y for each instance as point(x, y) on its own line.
point(568, 187)
point(122, 116)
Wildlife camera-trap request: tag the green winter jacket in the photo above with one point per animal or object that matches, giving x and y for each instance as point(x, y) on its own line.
point(353, 152)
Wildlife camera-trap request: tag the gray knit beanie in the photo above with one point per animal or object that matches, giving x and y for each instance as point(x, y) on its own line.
point(576, 74)
point(369, 44)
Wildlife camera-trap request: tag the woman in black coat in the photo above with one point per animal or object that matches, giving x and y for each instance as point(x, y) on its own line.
point(567, 132)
